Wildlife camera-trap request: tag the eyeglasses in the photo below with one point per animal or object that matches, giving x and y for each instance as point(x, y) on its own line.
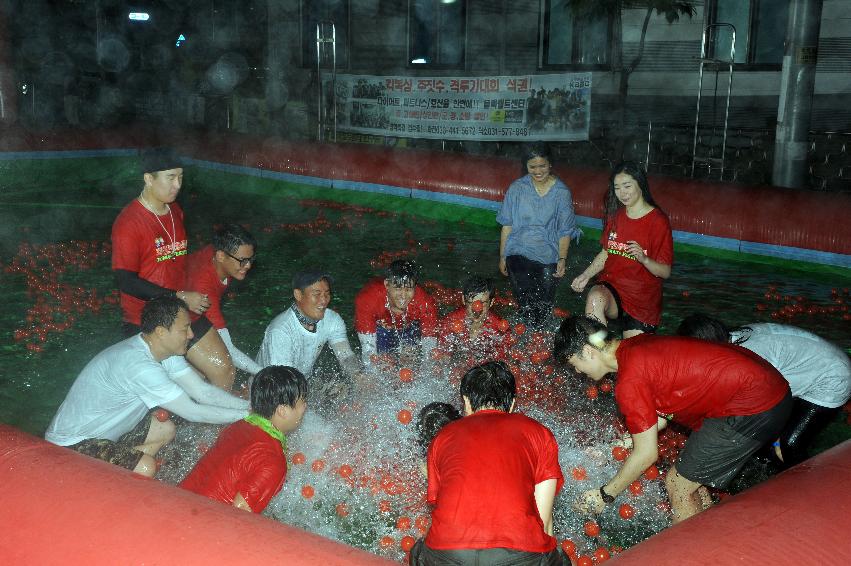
point(243, 261)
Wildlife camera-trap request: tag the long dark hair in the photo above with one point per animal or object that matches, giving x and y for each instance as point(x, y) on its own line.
point(611, 204)
point(532, 151)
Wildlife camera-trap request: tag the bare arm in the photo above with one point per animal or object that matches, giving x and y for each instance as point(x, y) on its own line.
point(593, 269)
point(545, 493)
point(503, 236)
point(563, 247)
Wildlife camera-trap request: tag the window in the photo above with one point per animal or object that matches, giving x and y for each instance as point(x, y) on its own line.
point(760, 30)
point(437, 33)
point(575, 38)
point(314, 12)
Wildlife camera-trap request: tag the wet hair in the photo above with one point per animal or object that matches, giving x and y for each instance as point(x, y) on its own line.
point(403, 272)
point(161, 311)
point(229, 237)
point(304, 279)
point(611, 204)
point(431, 419)
point(156, 159)
point(575, 332)
point(475, 285)
point(699, 325)
point(276, 385)
point(490, 384)
point(534, 150)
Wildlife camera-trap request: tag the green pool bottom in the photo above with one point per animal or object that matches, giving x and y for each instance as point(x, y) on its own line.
point(351, 234)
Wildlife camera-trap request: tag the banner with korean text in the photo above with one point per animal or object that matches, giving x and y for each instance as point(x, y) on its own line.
point(527, 107)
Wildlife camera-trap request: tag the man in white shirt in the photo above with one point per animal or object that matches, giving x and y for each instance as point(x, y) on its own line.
point(296, 337)
point(106, 412)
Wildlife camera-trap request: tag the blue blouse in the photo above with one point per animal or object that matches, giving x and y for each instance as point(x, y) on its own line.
point(537, 222)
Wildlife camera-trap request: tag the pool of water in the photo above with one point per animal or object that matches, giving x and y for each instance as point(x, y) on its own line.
point(360, 461)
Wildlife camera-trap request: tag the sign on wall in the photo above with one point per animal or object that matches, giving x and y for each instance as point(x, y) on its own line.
point(527, 107)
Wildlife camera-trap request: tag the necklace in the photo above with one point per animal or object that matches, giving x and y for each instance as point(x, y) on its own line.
point(173, 235)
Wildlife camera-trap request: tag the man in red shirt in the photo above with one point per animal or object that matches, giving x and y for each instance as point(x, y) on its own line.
point(211, 270)
point(734, 401)
point(473, 331)
point(247, 466)
point(149, 248)
point(492, 478)
point(394, 315)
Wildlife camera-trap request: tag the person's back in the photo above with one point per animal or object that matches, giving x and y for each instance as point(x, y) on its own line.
point(482, 474)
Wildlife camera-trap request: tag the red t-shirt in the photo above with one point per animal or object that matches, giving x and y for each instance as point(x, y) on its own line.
point(371, 310)
point(246, 460)
point(490, 344)
point(482, 472)
point(689, 380)
point(140, 244)
point(201, 277)
point(640, 291)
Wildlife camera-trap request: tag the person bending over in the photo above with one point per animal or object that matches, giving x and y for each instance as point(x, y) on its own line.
point(637, 255)
point(538, 223)
point(431, 419)
point(106, 414)
point(492, 479)
point(296, 336)
point(818, 372)
point(734, 402)
point(149, 250)
point(473, 330)
point(395, 316)
point(247, 466)
point(211, 269)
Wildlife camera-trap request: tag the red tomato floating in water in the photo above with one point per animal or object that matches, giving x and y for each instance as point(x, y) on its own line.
point(407, 543)
point(298, 458)
point(403, 523)
point(584, 560)
point(457, 326)
point(308, 492)
point(569, 548)
point(626, 511)
point(406, 375)
point(404, 416)
point(519, 328)
point(422, 523)
point(636, 488)
point(203, 447)
point(386, 542)
point(384, 506)
point(601, 554)
point(318, 465)
point(477, 306)
point(503, 325)
point(620, 453)
point(592, 529)
point(652, 472)
point(161, 415)
point(345, 471)
point(606, 386)
point(342, 510)
point(579, 473)
point(592, 392)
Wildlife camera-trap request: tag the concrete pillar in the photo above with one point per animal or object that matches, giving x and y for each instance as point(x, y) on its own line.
point(796, 94)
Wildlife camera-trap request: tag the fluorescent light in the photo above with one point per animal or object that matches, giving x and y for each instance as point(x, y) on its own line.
point(419, 61)
point(139, 16)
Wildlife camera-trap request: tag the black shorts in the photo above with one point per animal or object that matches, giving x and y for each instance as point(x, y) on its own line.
point(627, 322)
point(121, 453)
point(715, 454)
point(200, 327)
point(422, 555)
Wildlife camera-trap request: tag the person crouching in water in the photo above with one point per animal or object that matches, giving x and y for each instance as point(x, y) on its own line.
point(431, 419)
point(247, 466)
point(492, 479)
point(734, 402)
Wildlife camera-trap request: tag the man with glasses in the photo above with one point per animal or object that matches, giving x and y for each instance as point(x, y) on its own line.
point(211, 270)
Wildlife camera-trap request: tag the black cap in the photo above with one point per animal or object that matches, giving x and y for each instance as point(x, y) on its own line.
point(159, 159)
point(304, 279)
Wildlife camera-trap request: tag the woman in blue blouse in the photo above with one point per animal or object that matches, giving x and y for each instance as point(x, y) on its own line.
point(538, 223)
